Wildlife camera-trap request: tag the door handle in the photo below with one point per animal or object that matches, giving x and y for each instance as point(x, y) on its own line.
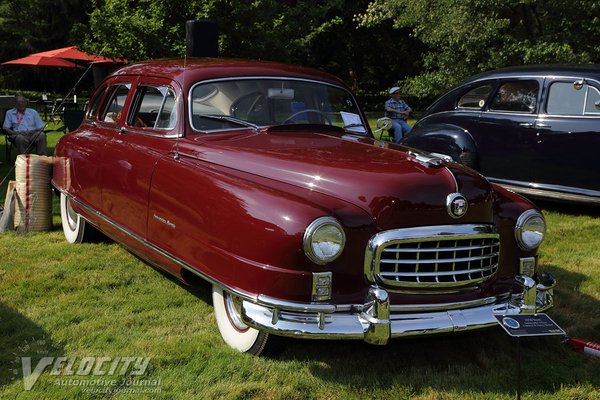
point(526, 124)
point(542, 125)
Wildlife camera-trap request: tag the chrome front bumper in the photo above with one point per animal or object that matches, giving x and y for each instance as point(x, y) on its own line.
point(376, 321)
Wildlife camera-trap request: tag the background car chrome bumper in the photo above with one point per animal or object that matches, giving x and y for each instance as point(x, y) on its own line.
point(376, 324)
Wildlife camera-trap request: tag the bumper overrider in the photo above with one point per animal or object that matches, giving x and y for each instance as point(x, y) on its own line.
point(377, 321)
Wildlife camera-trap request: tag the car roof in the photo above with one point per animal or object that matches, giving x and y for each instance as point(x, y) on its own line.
point(191, 70)
point(592, 70)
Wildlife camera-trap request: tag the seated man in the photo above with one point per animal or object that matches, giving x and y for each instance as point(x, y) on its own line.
point(398, 111)
point(24, 127)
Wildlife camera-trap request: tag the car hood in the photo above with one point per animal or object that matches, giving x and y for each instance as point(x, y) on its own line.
point(394, 187)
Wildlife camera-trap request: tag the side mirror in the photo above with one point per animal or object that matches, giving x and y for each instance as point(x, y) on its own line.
point(578, 85)
point(383, 124)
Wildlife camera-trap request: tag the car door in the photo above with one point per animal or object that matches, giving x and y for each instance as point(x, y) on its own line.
point(506, 133)
point(86, 150)
point(147, 132)
point(568, 134)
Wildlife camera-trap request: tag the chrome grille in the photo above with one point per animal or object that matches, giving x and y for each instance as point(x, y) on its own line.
point(435, 257)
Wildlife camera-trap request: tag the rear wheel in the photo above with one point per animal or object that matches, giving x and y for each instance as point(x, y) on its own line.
point(233, 330)
point(75, 228)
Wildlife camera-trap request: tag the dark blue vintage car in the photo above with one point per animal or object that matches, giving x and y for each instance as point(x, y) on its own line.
point(532, 129)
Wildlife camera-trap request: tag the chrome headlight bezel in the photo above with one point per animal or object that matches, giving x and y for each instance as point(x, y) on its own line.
point(524, 232)
point(311, 236)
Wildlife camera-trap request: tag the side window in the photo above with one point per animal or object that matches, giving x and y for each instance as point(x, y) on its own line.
point(95, 103)
point(114, 102)
point(516, 96)
point(154, 108)
point(475, 98)
point(565, 99)
point(592, 102)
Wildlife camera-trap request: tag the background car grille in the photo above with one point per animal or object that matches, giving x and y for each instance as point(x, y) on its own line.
point(437, 262)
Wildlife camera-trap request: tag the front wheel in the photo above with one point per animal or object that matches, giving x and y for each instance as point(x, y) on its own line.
point(75, 228)
point(233, 330)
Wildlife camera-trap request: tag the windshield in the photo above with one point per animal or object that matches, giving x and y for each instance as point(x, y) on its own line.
point(266, 102)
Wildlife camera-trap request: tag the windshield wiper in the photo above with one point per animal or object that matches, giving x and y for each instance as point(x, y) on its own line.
point(230, 119)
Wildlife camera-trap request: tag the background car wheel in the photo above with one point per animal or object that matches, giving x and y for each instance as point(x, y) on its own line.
point(233, 330)
point(75, 228)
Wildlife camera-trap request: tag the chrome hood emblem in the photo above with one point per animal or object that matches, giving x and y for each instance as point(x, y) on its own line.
point(456, 205)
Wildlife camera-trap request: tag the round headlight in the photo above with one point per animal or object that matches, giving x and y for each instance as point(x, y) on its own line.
point(324, 240)
point(530, 230)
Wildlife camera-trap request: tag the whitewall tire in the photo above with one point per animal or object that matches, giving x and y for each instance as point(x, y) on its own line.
point(75, 228)
point(233, 330)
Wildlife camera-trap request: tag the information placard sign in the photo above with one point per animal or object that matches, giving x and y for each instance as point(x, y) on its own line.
point(529, 325)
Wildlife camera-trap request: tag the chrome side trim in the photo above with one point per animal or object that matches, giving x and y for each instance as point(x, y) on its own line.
point(556, 192)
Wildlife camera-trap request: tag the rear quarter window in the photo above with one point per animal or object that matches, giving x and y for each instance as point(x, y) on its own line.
point(475, 98)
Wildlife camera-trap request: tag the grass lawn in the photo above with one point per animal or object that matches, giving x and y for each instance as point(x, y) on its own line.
point(98, 300)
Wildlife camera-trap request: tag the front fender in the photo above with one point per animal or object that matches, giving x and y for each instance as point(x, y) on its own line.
point(448, 139)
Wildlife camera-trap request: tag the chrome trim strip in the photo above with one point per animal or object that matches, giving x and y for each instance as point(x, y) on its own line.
point(403, 308)
point(558, 192)
point(150, 134)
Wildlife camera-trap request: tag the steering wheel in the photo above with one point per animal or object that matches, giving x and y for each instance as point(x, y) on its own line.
point(308, 110)
point(252, 109)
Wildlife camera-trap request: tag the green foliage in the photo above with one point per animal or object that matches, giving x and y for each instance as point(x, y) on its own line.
point(322, 34)
point(467, 37)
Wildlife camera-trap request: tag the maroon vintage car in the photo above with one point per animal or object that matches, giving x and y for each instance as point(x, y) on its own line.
point(264, 179)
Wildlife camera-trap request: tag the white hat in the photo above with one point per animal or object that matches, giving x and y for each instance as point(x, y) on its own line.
point(394, 89)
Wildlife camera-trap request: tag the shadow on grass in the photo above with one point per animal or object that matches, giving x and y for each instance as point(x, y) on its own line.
point(477, 361)
point(569, 208)
point(20, 337)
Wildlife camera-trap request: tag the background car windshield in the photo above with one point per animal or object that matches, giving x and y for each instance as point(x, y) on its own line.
point(266, 102)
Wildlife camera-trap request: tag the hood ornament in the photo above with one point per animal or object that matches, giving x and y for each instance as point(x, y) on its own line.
point(431, 159)
point(457, 205)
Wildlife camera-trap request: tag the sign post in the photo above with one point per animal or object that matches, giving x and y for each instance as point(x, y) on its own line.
point(527, 325)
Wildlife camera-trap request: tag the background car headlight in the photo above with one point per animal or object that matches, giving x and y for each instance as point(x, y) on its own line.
point(324, 240)
point(530, 230)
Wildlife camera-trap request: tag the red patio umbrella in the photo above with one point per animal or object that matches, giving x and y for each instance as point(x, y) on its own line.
point(73, 53)
point(41, 61)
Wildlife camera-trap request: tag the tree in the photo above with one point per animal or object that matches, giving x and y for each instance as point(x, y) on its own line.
point(467, 37)
point(318, 34)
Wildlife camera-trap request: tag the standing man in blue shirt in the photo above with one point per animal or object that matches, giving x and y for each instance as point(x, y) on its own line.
point(24, 127)
point(398, 111)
